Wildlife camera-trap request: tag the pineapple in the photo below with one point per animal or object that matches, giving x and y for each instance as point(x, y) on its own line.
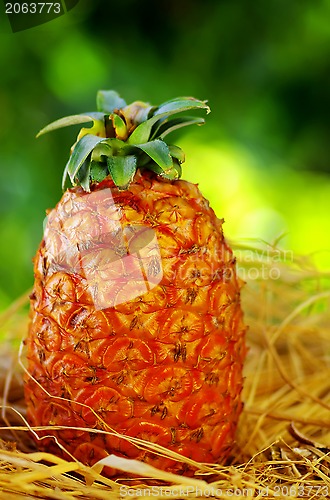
point(136, 324)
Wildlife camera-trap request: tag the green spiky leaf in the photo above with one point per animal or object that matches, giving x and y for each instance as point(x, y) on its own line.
point(108, 100)
point(142, 132)
point(171, 174)
point(83, 174)
point(72, 120)
point(122, 169)
point(180, 104)
point(101, 150)
point(98, 171)
point(80, 152)
point(166, 127)
point(159, 152)
point(120, 126)
point(177, 153)
point(124, 137)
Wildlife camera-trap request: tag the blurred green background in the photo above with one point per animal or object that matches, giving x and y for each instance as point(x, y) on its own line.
point(262, 158)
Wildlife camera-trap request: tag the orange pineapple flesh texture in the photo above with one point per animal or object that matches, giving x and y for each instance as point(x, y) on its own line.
point(165, 366)
point(136, 325)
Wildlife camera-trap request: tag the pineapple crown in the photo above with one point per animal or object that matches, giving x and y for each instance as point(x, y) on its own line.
point(124, 138)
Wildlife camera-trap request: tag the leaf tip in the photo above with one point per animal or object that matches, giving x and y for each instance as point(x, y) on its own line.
point(207, 107)
point(41, 132)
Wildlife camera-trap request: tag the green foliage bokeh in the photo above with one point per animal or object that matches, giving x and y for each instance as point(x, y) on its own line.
point(262, 159)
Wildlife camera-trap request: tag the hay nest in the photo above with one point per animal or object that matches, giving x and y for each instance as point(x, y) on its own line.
point(283, 440)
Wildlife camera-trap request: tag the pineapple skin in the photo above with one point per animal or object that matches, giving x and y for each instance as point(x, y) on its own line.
point(165, 366)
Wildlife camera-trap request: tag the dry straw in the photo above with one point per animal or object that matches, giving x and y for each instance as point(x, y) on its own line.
point(283, 440)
